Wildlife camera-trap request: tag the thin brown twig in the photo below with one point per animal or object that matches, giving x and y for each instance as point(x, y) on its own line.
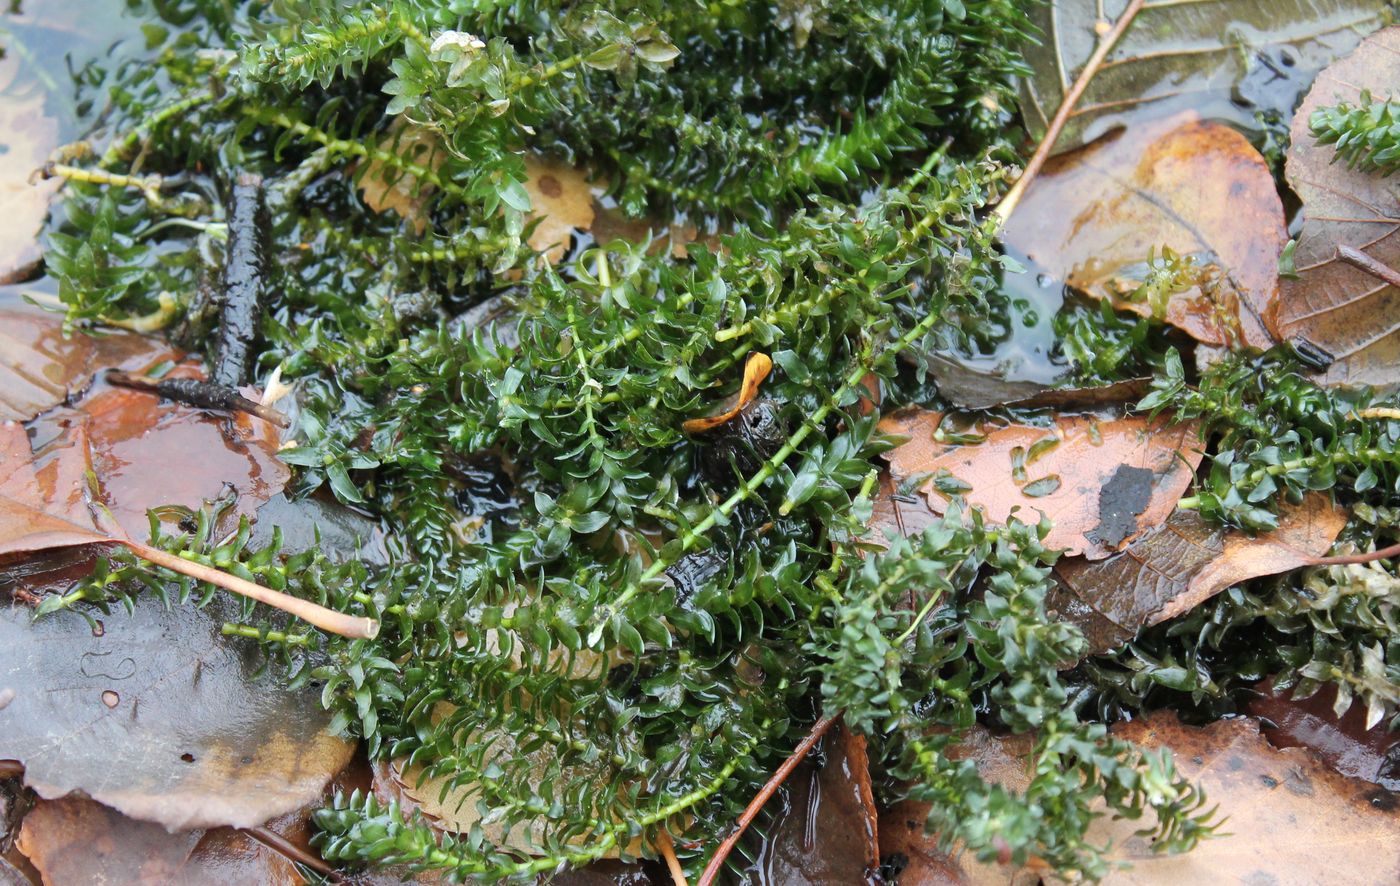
point(1347, 559)
point(673, 864)
point(820, 728)
point(352, 626)
point(1052, 132)
point(1359, 259)
point(281, 845)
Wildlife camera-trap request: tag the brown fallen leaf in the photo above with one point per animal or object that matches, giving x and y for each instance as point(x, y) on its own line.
point(756, 369)
point(146, 452)
point(1344, 310)
point(161, 717)
point(1177, 566)
point(829, 831)
point(75, 840)
point(1344, 743)
point(1102, 482)
point(40, 368)
point(1197, 188)
point(562, 200)
point(386, 188)
point(49, 506)
point(1288, 818)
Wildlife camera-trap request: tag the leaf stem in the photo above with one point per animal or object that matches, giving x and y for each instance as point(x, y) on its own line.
point(354, 627)
point(1052, 133)
point(820, 728)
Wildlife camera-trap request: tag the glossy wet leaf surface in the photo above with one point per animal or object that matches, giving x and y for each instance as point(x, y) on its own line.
point(1102, 482)
point(1177, 54)
point(160, 717)
point(1179, 565)
point(74, 840)
point(828, 833)
point(1196, 188)
point(1345, 311)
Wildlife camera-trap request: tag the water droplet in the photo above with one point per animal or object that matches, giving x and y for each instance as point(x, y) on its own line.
point(1044, 281)
point(110, 698)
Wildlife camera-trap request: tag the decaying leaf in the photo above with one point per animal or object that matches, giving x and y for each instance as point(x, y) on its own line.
point(75, 840)
point(917, 858)
point(562, 200)
point(1345, 743)
point(1102, 482)
point(160, 717)
point(1209, 55)
point(830, 832)
point(756, 369)
point(47, 505)
point(1196, 188)
point(1288, 818)
point(40, 368)
point(1179, 565)
point(1347, 312)
point(385, 187)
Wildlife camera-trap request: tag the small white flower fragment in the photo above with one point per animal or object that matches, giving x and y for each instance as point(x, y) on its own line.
point(275, 389)
point(467, 44)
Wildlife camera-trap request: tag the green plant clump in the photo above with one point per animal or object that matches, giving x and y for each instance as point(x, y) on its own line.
point(1367, 135)
point(663, 613)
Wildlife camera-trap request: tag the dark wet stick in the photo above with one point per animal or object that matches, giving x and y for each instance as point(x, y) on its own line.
point(244, 282)
point(193, 392)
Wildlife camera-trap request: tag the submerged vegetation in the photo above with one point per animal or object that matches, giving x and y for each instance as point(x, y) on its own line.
point(635, 643)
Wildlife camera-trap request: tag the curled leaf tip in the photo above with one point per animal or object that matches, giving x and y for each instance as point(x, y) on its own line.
point(756, 369)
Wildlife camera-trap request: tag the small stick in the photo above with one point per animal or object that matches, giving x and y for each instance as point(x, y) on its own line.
point(193, 392)
point(673, 864)
point(281, 845)
point(1359, 259)
point(1348, 559)
point(1047, 144)
point(353, 626)
point(1381, 412)
point(820, 728)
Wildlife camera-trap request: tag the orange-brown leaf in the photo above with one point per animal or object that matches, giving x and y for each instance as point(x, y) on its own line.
point(562, 200)
point(1102, 482)
point(1198, 188)
point(756, 369)
point(1181, 564)
point(1342, 309)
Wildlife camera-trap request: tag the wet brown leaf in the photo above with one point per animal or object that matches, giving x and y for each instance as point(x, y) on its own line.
point(1224, 58)
point(39, 368)
point(75, 840)
point(1197, 188)
point(1344, 742)
point(828, 830)
point(1102, 482)
point(161, 718)
point(1176, 567)
point(1352, 315)
point(1289, 819)
point(386, 188)
point(756, 369)
point(562, 199)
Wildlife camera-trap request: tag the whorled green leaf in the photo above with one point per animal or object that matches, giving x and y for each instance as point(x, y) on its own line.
point(1227, 59)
